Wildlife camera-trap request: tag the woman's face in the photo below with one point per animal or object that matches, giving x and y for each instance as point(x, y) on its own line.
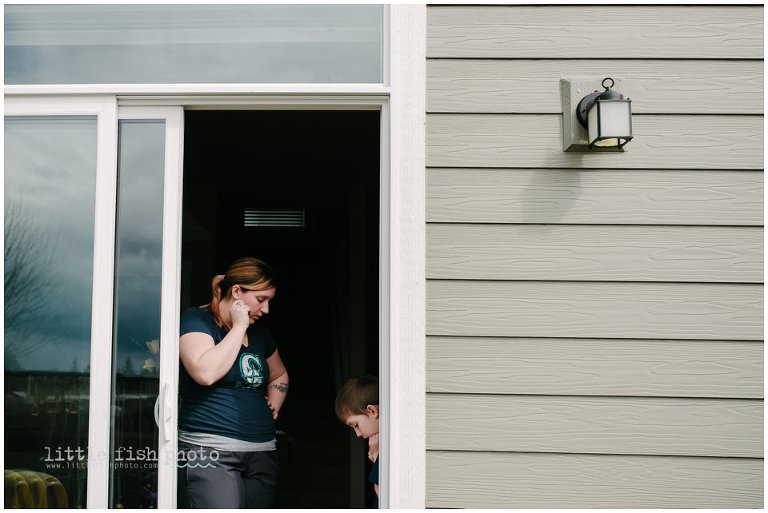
point(256, 300)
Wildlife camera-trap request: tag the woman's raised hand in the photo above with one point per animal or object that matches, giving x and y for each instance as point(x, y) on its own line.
point(239, 313)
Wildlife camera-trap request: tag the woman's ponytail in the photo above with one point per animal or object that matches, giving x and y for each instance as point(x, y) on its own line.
point(216, 296)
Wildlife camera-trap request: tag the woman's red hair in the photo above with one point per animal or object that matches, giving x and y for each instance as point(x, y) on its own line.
point(250, 273)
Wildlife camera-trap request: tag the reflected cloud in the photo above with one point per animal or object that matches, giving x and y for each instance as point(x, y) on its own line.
point(139, 234)
point(50, 172)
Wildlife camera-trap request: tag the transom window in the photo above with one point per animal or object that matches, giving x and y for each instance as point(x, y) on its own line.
point(188, 44)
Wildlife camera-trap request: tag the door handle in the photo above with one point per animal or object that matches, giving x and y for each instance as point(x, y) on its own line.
point(164, 398)
point(157, 411)
point(167, 413)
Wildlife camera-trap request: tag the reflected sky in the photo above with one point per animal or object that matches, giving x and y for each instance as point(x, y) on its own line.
point(50, 173)
point(50, 170)
point(138, 266)
point(83, 44)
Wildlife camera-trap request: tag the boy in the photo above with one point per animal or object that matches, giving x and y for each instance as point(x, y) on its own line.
point(357, 406)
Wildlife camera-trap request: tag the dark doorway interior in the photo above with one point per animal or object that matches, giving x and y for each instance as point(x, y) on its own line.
point(325, 314)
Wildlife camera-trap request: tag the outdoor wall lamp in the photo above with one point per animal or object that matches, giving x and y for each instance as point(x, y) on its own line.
point(607, 116)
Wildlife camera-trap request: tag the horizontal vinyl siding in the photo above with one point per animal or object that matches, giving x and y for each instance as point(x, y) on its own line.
point(458, 479)
point(634, 253)
point(595, 367)
point(595, 321)
point(535, 140)
point(655, 86)
point(690, 311)
point(606, 196)
point(596, 32)
point(596, 425)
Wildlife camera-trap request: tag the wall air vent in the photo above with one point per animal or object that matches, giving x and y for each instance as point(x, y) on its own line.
point(273, 218)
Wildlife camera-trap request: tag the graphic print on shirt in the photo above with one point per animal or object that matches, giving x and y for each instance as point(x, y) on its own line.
point(251, 371)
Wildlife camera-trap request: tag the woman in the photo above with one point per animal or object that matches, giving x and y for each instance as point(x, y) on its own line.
point(232, 384)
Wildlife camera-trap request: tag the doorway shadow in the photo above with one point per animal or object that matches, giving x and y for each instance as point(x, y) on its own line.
point(324, 165)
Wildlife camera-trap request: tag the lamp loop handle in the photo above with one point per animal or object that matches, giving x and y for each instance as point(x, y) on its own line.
point(610, 86)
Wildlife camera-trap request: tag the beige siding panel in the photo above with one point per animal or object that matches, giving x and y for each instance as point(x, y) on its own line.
point(528, 140)
point(595, 310)
point(596, 425)
point(513, 480)
point(655, 87)
point(571, 196)
point(603, 253)
point(672, 368)
point(598, 32)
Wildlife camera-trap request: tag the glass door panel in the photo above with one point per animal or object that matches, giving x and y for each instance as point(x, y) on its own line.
point(142, 429)
point(87, 285)
point(50, 189)
point(138, 282)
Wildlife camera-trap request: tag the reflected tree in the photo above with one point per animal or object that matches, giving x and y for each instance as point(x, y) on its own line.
point(29, 278)
point(127, 369)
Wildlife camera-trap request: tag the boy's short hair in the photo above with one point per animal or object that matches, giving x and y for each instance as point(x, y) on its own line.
point(355, 396)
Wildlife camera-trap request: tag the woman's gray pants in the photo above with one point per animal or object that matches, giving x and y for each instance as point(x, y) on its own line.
point(226, 479)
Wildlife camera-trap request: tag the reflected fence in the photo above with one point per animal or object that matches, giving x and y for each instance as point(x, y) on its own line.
point(46, 440)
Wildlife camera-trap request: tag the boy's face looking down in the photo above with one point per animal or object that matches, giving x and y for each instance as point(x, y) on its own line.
point(365, 424)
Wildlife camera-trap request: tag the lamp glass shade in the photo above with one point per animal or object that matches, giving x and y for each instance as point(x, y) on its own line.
point(609, 123)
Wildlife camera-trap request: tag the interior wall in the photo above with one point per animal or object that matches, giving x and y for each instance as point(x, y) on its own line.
point(325, 314)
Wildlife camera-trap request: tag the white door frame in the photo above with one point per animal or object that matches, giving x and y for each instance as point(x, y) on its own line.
point(402, 245)
point(403, 473)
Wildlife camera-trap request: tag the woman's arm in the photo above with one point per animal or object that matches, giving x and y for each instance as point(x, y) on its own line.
point(278, 384)
point(205, 361)
point(208, 362)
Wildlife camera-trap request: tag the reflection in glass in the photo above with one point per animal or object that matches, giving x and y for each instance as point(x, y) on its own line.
point(50, 178)
point(138, 279)
point(176, 44)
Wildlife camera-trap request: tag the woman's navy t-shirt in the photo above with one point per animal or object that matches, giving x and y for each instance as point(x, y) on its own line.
point(235, 406)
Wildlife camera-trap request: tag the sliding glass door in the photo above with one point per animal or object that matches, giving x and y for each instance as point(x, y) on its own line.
point(91, 281)
point(50, 183)
point(144, 351)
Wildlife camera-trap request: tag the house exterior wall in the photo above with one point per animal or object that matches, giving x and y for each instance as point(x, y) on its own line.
point(594, 321)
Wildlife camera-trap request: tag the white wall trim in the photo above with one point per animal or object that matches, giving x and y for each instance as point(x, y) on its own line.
point(403, 439)
point(197, 89)
point(260, 101)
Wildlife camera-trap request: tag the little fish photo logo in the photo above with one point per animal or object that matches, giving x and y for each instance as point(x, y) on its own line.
point(197, 458)
point(65, 457)
point(125, 458)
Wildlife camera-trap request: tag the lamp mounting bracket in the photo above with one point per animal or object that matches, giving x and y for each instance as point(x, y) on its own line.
point(583, 107)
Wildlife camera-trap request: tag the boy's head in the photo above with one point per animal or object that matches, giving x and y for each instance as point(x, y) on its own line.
point(357, 405)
